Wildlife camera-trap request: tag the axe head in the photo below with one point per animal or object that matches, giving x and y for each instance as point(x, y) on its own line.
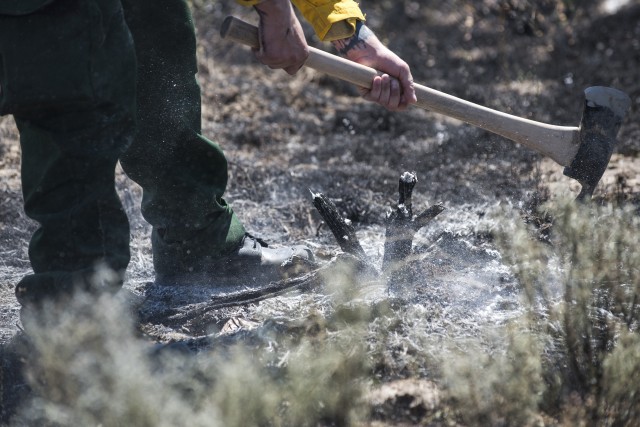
point(604, 111)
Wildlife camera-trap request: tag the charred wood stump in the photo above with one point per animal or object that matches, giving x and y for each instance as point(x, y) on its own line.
point(341, 228)
point(353, 266)
point(402, 226)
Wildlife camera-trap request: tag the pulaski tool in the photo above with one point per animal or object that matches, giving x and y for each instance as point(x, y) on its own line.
point(584, 151)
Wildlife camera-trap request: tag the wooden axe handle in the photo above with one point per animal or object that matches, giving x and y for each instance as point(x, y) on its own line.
point(560, 143)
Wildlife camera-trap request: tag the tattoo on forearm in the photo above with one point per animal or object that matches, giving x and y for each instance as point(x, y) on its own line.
point(355, 42)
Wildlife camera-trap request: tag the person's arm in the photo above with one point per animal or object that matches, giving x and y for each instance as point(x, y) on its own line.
point(364, 48)
point(282, 41)
point(283, 45)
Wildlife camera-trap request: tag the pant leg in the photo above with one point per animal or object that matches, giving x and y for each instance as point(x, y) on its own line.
point(183, 174)
point(71, 142)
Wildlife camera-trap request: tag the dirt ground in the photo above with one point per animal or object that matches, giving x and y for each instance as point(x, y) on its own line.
point(287, 135)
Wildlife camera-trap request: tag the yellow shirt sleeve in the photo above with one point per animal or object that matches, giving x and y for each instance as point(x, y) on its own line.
point(323, 14)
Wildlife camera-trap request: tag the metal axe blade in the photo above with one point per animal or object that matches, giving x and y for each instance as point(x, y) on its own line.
point(604, 111)
point(585, 150)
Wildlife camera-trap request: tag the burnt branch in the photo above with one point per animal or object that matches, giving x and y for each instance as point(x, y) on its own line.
point(342, 229)
point(402, 225)
point(427, 215)
point(406, 183)
point(168, 306)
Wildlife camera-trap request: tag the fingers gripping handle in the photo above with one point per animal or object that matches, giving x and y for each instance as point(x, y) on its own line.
point(242, 32)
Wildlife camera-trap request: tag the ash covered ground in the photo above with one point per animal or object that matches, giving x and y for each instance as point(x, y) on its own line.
point(286, 135)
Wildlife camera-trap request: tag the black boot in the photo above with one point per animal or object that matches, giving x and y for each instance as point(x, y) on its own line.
point(252, 262)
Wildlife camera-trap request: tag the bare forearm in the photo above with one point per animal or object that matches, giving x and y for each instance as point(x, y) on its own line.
point(394, 87)
point(355, 45)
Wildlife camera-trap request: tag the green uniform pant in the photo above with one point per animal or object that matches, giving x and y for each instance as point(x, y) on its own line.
point(91, 82)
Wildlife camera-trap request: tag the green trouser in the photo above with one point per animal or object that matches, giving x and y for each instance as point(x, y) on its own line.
point(87, 86)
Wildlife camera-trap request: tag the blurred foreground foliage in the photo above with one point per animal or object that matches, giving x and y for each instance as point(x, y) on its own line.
point(570, 359)
point(583, 294)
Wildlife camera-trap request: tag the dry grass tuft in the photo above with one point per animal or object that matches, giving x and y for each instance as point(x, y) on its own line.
point(583, 292)
point(88, 367)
